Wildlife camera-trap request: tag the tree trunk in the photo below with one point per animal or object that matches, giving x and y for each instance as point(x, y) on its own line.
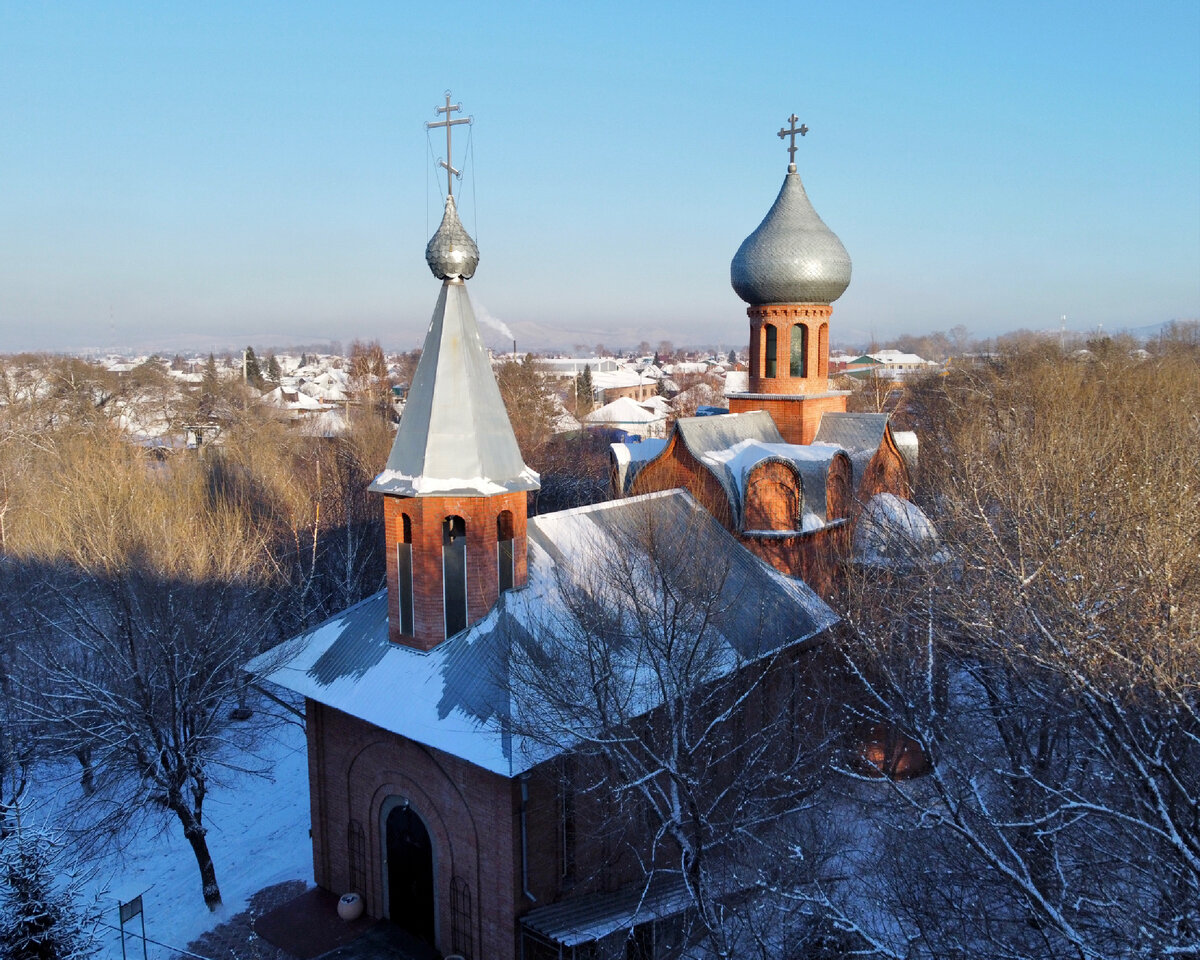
point(196, 836)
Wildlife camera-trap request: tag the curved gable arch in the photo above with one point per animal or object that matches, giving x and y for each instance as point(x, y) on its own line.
point(773, 497)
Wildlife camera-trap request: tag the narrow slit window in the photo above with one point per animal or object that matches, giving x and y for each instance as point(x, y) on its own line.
point(772, 345)
point(404, 580)
point(504, 551)
point(454, 574)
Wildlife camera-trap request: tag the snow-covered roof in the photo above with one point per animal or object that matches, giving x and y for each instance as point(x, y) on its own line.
point(731, 445)
point(454, 436)
point(610, 380)
point(623, 411)
point(910, 448)
point(461, 698)
point(811, 462)
point(893, 532)
point(737, 381)
point(657, 404)
point(629, 458)
point(897, 356)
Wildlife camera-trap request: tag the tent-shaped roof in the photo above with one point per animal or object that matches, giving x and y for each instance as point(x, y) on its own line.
point(454, 436)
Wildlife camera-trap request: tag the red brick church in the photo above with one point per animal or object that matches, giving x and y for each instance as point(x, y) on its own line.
point(430, 798)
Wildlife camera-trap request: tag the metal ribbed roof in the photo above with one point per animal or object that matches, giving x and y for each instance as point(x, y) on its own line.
point(792, 257)
point(854, 431)
point(579, 920)
point(459, 698)
point(701, 434)
point(454, 436)
point(860, 433)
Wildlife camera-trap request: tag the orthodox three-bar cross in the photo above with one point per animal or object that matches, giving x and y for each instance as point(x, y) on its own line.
point(449, 122)
point(785, 132)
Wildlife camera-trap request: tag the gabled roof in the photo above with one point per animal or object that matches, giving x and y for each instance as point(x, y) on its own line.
point(732, 445)
point(700, 434)
point(459, 697)
point(859, 433)
point(454, 436)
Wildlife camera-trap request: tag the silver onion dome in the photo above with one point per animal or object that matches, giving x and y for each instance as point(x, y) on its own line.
point(792, 257)
point(451, 253)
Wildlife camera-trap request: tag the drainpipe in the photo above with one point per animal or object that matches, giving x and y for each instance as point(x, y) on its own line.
point(525, 840)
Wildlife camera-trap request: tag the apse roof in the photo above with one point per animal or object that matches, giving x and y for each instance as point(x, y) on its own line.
point(731, 445)
point(464, 696)
point(454, 436)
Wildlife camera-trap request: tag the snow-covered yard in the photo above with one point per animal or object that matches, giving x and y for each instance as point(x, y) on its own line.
point(258, 836)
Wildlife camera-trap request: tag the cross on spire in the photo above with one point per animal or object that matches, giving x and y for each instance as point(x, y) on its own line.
point(449, 122)
point(786, 132)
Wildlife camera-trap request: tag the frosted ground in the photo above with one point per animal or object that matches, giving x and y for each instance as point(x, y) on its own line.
point(258, 837)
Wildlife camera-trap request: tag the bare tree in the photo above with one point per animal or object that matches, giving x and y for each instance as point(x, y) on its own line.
point(1050, 670)
point(142, 606)
point(694, 725)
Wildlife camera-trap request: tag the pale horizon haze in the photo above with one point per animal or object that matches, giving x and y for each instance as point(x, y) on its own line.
point(178, 176)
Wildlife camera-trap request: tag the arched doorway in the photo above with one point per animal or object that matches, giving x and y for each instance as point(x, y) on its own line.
point(409, 869)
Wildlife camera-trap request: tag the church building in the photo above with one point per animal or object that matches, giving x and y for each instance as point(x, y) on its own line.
point(437, 790)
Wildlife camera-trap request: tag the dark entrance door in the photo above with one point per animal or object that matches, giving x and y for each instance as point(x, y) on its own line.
point(410, 873)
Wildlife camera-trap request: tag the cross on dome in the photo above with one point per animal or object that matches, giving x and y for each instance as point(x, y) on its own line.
point(449, 122)
point(786, 132)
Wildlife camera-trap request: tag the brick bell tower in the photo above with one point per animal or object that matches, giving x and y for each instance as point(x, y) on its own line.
point(790, 269)
point(454, 486)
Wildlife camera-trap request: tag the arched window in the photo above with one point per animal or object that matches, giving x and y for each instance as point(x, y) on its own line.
point(504, 550)
point(454, 574)
point(772, 498)
point(799, 359)
point(404, 579)
point(772, 338)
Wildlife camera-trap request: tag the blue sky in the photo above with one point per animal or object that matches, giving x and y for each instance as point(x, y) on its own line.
point(202, 173)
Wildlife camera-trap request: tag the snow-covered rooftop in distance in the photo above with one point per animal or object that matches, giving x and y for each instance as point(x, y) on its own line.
point(460, 698)
point(624, 411)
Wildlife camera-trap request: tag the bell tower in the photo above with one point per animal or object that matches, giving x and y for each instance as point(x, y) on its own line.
point(789, 271)
point(455, 484)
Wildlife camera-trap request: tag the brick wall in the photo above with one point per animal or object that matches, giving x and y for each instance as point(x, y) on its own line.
point(886, 473)
point(426, 515)
point(772, 498)
point(797, 417)
point(474, 822)
point(354, 768)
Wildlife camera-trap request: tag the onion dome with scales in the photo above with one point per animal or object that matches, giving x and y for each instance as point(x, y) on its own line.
point(792, 257)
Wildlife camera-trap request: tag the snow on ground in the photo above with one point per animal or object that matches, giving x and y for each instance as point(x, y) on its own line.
point(257, 835)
